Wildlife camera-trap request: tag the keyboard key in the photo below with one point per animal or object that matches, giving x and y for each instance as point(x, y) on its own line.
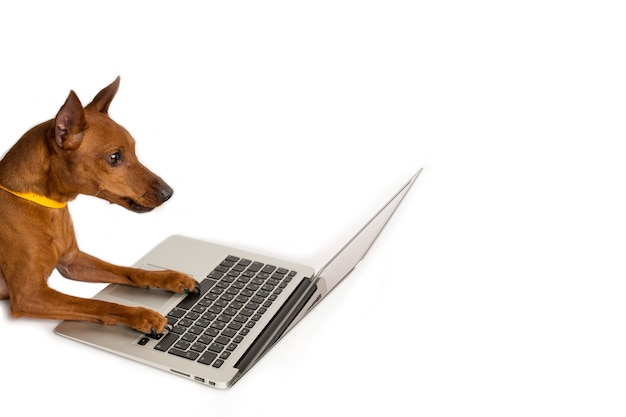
point(207, 357)
point(198, 309)
point(191, 355)
point(222, 340)
point(182, 345)
point(221, 303)
point(228, 263)
point(215, 275)
point(204, 323)
point(196, 329)
point(224, 318)
point(192, 315)
point(208, 316)
point(232, 291)
point(211, 332)
point(177, 312)
point(241, 299)
point(255, 267)
point(252, 305)
point(234, 325)
point(227, 297)
point(189, 337)
point(268, 269)
point(216, 347)
point(185, 322)
point(216, 290)
point(198, 347)
point(229, 332)
point(241, 319)
point(219, 325)
point(166, 341)
point(230, 311)
point(204, 303)
point(215, 309)
point(179, 330)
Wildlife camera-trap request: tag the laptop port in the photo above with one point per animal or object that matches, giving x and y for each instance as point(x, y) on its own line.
point(180, 373)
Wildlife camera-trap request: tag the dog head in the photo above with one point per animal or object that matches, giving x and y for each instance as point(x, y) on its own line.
point(96, 156)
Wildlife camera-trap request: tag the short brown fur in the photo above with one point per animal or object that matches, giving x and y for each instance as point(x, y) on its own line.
point(80, 151)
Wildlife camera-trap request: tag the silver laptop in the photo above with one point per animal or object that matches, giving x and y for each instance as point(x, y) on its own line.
point(246, 304)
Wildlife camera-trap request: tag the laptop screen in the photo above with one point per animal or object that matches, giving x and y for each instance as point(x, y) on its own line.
point(351, 254)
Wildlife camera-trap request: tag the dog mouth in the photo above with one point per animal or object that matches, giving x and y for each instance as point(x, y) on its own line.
point(136, 207)
point(156, 195)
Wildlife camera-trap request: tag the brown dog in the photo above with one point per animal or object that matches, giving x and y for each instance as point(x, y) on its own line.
point(81, 151)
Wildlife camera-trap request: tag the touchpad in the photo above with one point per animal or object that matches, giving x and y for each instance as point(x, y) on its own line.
point(151, 298)
point(147, 297)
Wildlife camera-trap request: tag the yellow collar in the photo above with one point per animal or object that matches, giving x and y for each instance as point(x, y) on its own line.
point(36, 198)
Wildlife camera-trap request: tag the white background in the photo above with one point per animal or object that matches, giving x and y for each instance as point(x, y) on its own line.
point(283, 125)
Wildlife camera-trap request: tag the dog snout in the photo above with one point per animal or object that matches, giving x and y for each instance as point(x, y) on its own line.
point(165, 192)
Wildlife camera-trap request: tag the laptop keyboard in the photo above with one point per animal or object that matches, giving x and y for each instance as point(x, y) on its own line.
point(207, 327)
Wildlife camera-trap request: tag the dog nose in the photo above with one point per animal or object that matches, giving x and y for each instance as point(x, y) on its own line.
point(165, 193)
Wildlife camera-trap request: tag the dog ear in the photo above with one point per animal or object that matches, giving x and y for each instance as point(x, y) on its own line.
point(69, 123)
point(103, 99)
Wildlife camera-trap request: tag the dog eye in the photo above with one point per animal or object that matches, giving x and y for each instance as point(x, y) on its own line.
point(115, 158)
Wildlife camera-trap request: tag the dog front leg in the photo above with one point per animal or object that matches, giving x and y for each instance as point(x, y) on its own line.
point(30, 296)
point(83, 267)
point(51, 304)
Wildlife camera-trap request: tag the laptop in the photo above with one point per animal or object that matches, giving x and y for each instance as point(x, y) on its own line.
point(247, 303)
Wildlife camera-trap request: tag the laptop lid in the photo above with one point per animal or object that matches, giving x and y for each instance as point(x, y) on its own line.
point(328, 277)
point(348, 257)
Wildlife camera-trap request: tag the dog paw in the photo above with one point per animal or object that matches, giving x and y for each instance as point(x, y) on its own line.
point(148, 321)
point(168, 280)
point(178, 282)
point(195, 290)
